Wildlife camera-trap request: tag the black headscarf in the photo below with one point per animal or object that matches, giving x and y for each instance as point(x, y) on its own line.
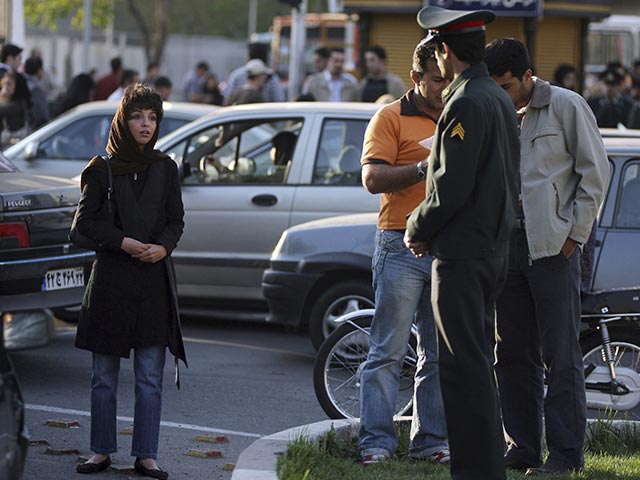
point(125, 154)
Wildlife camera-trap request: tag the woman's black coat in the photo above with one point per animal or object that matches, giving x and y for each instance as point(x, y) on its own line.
point(129, 303)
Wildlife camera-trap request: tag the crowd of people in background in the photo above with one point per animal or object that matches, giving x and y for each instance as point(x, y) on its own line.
point(29, 96)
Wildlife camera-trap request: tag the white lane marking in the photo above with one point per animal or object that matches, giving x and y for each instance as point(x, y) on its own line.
point(184, 426)
point(248, 347)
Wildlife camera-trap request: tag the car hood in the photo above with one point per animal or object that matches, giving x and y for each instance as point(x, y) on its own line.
point(22, 192)
point(333, 235)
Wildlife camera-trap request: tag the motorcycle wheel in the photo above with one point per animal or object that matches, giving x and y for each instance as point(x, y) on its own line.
point(625, 348)
point(337, 368)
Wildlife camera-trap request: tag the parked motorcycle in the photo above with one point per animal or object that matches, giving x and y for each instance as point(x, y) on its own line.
point(610, 342)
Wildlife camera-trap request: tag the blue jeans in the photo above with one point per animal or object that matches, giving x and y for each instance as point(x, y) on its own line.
point(402, 284)
point(148, 366)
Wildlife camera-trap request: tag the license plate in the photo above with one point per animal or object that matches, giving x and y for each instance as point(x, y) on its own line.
point(63, 278)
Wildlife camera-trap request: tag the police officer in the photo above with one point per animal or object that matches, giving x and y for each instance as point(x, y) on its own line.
point(465, 222)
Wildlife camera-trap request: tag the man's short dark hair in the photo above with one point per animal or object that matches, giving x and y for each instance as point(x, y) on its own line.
point(468, 47)
point(507, 55)
point(378, 51)
point(337, 49)
point(9, 50)
point(152, 65)
point(162, 81)
point(127, 76)
point(562, 71)
point(116, 64)
point(32, 65)
point(424, 52)
point(202, 66)
point(322, 52)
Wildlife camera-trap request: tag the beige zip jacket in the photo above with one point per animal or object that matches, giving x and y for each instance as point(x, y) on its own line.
point(564, 169)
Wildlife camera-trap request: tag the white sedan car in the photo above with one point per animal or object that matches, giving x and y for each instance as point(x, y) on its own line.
point(63, 146)
point(249, 173)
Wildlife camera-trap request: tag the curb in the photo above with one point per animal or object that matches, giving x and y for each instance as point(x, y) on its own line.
point(259, 460)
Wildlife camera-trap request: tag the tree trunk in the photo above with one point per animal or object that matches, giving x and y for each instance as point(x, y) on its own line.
point(154, 42)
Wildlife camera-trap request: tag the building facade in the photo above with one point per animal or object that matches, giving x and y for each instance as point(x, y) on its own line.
point(555, 31)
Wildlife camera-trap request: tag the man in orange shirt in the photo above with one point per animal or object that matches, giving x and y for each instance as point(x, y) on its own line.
point(396, 146)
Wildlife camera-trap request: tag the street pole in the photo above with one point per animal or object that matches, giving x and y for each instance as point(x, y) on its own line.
point(253, 17)
point(296, 52)
point(86, 36)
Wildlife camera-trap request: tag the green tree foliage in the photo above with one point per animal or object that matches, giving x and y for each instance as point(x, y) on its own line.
point(46, 13)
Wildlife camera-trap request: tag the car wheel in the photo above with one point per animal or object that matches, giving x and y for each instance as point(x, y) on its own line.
point(334, 302)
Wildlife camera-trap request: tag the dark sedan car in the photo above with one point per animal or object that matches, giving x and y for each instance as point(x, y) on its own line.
point(39, 268)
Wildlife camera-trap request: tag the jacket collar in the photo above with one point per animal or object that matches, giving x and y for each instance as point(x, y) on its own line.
point(541, 96)
point(474, 71)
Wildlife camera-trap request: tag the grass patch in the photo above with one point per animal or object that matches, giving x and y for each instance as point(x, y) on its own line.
point(612, 452)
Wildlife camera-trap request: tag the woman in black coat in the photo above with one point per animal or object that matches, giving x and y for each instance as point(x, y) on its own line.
point(130, 300)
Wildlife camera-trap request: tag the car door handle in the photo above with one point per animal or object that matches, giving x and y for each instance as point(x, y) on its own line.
point(598, 243)
point(266, 200)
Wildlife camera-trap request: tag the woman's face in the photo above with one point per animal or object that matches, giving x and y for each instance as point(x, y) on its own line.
point(142, 125)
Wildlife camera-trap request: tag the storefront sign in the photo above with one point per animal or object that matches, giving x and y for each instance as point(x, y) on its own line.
point(505, 8)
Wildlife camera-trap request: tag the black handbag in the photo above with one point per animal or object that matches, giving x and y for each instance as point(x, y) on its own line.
point(107, 213)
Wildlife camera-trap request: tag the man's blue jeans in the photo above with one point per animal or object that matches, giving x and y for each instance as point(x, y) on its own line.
point(402, 286)
point(148, 365)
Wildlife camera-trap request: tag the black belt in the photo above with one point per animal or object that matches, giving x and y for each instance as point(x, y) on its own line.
point(520, 224)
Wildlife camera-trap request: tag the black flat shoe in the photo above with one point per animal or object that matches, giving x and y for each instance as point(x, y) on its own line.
point(88, 467)
point(149, 472)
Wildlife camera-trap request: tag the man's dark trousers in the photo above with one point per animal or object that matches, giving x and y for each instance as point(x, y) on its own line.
point(539, 325)
point(463, 297)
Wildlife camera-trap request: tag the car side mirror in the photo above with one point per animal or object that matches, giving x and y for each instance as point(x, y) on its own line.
point(31, 150)
point(184, 170)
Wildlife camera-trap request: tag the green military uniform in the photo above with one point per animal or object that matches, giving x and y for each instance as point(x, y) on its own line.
point(466, 220)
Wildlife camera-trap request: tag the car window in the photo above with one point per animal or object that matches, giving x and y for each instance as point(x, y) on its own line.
point(79, 140)
point(245, 152)
point(168, 125)
point(338, 155)
point(629, 200)
point(6, 165)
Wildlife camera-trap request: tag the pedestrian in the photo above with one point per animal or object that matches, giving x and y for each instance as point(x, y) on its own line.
point(563, 177)
point(130, 300)
point(271, 91)
point(465, 222)
point(613, 107)
point(321, 58)
point(33, 69)
point(565, 76)
point(12, 113)
point(127, 77)
point(332, 84)
point(163, 86)
point(212, 94)
point(193, 89)
point(379, 81)
point(11, 59)
point(257, 73)
point(393, 165)
point(153, 72)
point(107, 84)
point(80, 91)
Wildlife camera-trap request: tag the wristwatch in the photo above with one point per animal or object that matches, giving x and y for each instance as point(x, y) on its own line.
point(421, 172)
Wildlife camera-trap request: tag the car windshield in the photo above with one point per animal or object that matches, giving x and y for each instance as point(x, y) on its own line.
point(6, 165)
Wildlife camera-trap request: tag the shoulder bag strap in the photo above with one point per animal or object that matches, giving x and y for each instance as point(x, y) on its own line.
point(110, 186)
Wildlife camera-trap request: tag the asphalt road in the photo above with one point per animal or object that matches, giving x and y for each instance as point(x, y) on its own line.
point(244, 380)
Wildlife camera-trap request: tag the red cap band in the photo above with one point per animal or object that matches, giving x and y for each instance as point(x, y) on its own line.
point(460, 26)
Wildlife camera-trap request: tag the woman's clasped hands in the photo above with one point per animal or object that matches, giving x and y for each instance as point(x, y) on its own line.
point(145, 252)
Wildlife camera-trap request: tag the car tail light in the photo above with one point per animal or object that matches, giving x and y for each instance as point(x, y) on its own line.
point(12, 233)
